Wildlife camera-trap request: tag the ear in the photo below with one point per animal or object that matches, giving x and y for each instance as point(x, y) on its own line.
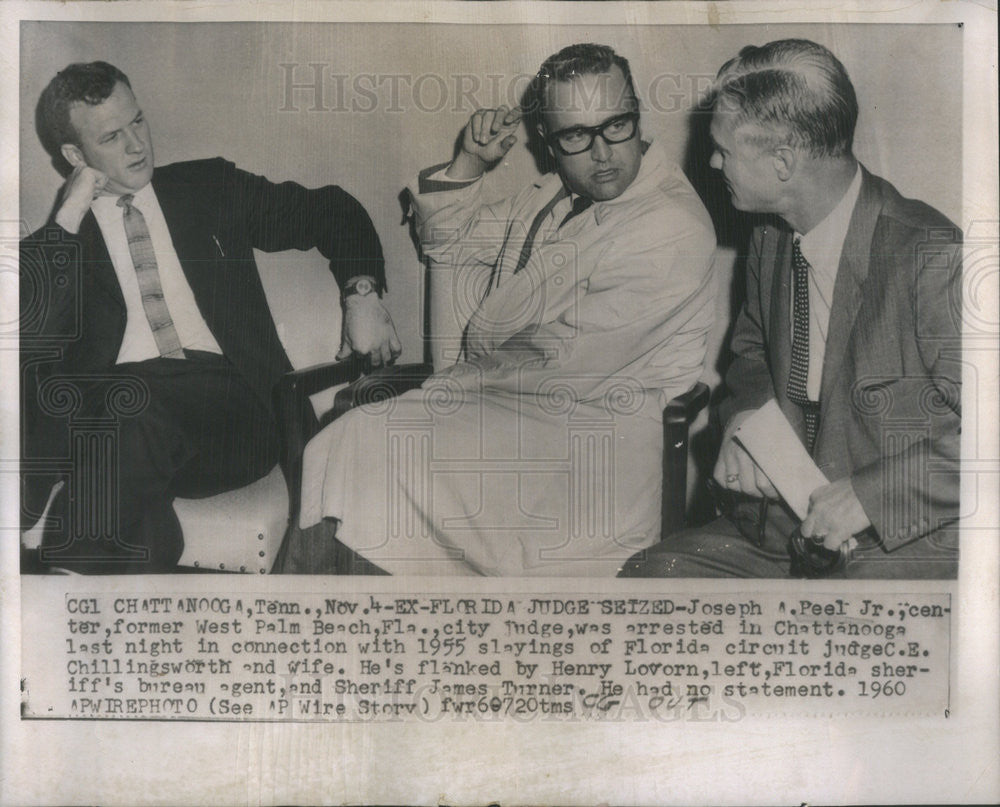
point(541, 134)
point(785, 160)
point(73, 155)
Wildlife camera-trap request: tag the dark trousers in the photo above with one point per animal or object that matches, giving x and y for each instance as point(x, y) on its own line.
point(190, 428)
point(738, 546)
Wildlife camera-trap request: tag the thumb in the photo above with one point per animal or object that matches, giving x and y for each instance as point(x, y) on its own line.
point(507, 143)
point(346, 349)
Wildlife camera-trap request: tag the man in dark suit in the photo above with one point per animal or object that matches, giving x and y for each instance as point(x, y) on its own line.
point(852, 324)
point(141, 307)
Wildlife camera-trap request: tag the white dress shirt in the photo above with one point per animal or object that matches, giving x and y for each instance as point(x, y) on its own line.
point(822, 247)
point(139, 343)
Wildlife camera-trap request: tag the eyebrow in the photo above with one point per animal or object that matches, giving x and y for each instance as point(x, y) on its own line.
point(107, 135)
point(605, 122)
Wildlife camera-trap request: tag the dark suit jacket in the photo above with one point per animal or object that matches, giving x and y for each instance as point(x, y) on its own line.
point(73, 312)
point(891, 389)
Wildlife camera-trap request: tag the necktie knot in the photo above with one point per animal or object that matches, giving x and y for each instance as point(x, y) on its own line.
point(797, 257)
point(125, 201)
point(580, 204)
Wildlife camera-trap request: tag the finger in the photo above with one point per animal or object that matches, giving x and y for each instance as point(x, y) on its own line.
point(507, 143)
point(485, 124)
point(719, 471)
point(395, 346)
point(764, 484)
point(726, 468)
point(499, 119)
point(476, 127)
point(100, 181)
point(808, 527)
point(386, 353)
point(748, 473)
point(345, 350)
point(514, 116)
point(835, 539)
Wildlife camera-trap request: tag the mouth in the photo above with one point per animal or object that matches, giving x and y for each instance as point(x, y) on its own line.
point(138, 165)
point(606, 175)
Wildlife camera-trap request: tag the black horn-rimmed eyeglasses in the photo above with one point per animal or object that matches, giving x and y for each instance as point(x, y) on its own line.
point(578, 139)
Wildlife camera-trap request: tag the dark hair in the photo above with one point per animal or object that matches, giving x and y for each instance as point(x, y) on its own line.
point(795, 88)
point(575, 60)
point(88, 83)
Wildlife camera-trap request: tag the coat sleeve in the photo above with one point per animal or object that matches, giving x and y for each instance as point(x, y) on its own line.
point(286, 215)
point(913, 488)
point(455, 227)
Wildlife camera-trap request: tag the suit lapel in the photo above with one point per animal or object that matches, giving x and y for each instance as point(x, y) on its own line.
point(779, 338)
point(191, 234)
point(182, 222)
point(848, 288)
point(100, 270)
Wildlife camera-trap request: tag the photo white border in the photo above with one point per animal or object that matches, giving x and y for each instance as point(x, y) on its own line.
point(838, 760)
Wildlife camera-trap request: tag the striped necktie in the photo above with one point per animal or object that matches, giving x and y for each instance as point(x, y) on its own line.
point(798, 376)
point(140, 247)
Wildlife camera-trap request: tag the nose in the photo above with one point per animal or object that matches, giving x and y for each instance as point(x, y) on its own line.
point(600, 152)
point(133, 143)
point(715, 161)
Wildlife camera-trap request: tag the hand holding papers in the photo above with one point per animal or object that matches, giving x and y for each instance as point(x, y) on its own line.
point(769, 439)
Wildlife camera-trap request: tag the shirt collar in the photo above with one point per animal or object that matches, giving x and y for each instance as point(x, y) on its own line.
point(827, 237)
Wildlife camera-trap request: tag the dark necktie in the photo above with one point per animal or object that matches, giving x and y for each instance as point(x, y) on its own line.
point(799, 375)
point(579, 205)
point(140, 247)
point(529, 242)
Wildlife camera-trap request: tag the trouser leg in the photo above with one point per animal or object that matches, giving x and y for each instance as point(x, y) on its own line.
point(717, 549)
point(202, 431)
point(735, 547)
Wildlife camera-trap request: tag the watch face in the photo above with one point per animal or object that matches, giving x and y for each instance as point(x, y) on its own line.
point(363, 287)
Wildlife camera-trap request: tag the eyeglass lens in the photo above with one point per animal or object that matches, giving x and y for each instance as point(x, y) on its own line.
point(616, 130)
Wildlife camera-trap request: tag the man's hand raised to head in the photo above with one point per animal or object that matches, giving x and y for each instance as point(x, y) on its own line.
point(487, 138)
point(82, 186)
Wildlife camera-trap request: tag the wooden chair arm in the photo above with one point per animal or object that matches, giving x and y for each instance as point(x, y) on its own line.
point(297, 422)
point(678, 415)
point(378, 385)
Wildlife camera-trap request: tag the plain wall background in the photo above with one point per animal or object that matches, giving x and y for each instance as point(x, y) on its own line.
point(397, 95)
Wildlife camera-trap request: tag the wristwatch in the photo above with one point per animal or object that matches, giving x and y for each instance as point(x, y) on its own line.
point(361, 286)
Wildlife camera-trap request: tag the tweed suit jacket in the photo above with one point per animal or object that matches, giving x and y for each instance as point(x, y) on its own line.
point(890, 398)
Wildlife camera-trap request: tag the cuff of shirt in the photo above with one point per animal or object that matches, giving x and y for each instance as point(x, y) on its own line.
point(434, 179)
